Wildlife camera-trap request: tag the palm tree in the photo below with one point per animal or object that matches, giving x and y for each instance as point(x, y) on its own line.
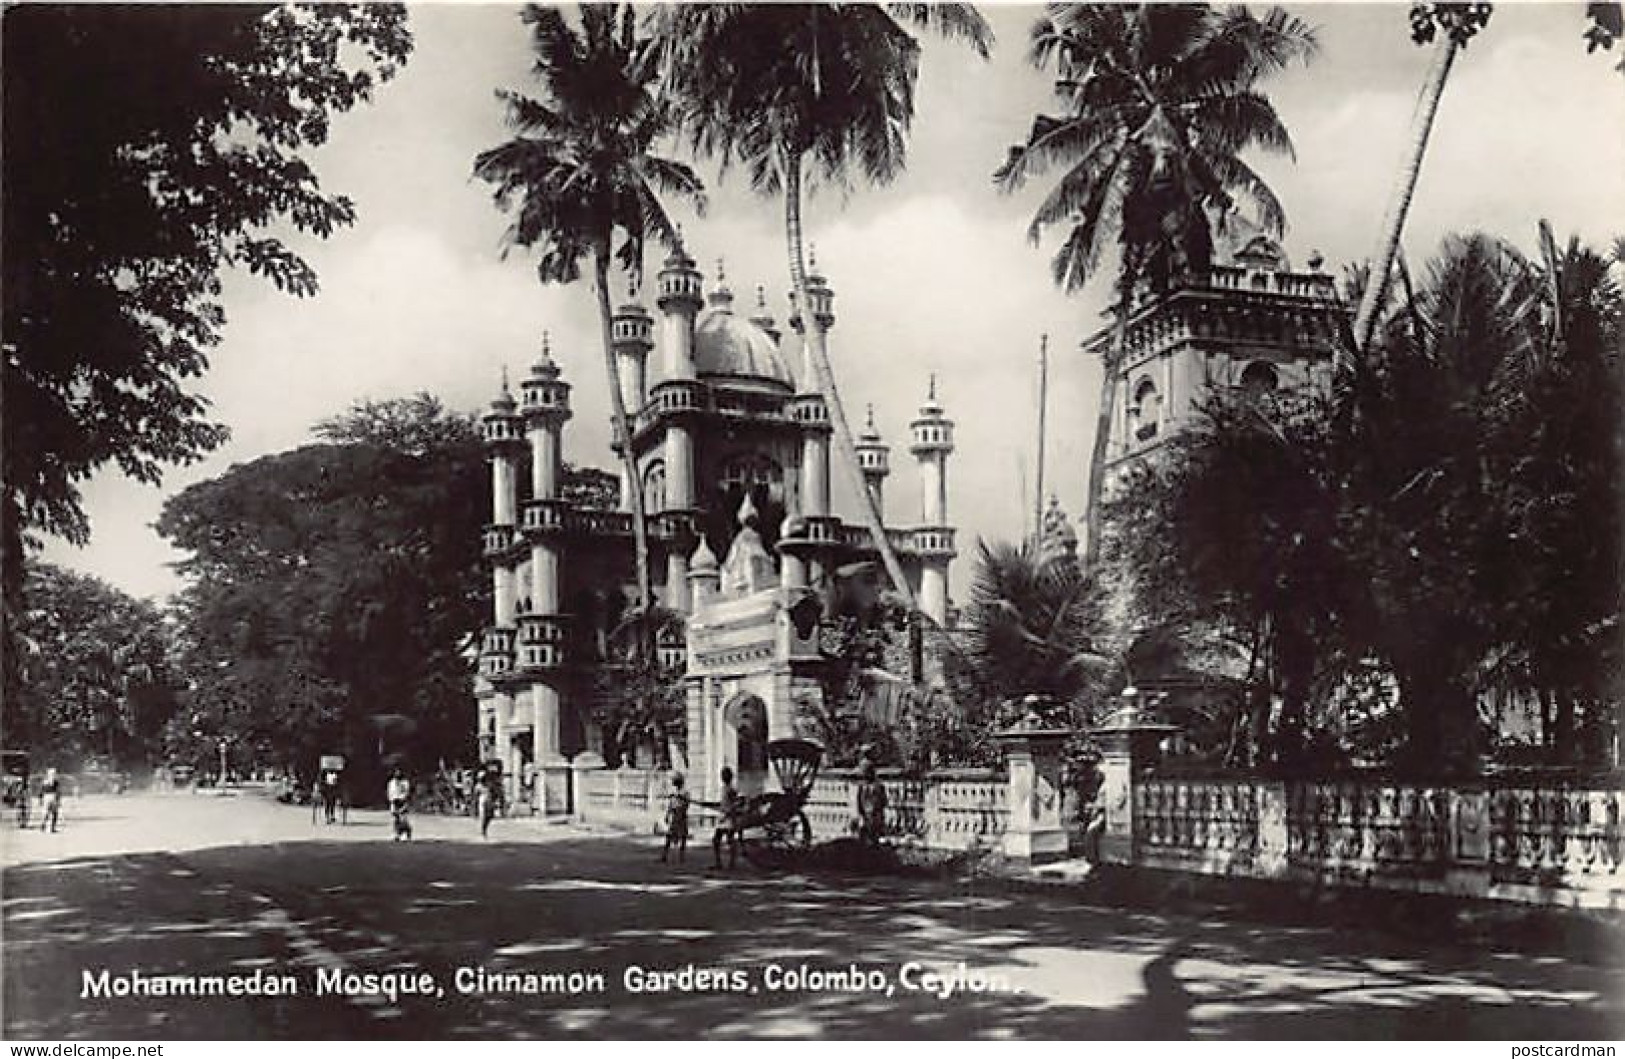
point(1034, 620)
point(581, 172)
point(799, 92)
point(1160, 102)
point(1459, 22)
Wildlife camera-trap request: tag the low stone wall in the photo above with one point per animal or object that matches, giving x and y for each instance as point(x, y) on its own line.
point(949, 810)
point(624, 797)
point(1538, 843)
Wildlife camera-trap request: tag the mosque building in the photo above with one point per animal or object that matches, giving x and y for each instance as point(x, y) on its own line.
point(732, 450)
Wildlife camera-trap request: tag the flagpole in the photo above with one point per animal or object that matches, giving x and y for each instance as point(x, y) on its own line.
point(1043, 401)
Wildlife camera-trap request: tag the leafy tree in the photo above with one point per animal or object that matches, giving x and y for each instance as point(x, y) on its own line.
point(801, 92)
point(336, 588)
point(1449, 511)
point(96, 673)
point(640, 698)
point(1159, 102)
point(145, 149)
point(1452, 25)
point(1035, 626)
point(584, 182)
point(1457, 23)
point(1232, 530)
point(1562, 625)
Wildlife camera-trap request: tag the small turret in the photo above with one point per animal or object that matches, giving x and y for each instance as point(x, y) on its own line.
point(933, 431)
point(721, 296)
point(763, 318)
point(819, 293)
point(501, 427)
point(680, 283)
point(704, 573)
point(547, 396)
point(633, 329)
point(874, 461)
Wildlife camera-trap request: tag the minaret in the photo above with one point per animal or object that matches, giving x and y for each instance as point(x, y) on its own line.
point(503, 431)
point(933, 441)
point(504, 441)
point(873, 460)
point(542, 632)
point(632, 330)
point(819, 529)
point(680, 284)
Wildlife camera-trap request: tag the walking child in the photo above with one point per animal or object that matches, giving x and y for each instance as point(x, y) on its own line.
point(676, 820)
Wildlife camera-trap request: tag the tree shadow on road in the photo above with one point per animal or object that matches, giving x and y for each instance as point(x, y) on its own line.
point(605, 906)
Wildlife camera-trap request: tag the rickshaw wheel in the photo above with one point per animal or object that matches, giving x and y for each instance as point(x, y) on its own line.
point(778, 843)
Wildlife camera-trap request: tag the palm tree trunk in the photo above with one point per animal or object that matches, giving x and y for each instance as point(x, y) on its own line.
point(1103, 432)
point(623, 435)
point(826, 382)
point(1427, 105)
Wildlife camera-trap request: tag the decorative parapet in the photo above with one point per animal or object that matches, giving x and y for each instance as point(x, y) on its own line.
point(1547, 844)
point(809, 410)
point(1540, 832)
point(541, 640)
point(540, 519)
point(499, 540)
point(678, 397)
point(858, 537)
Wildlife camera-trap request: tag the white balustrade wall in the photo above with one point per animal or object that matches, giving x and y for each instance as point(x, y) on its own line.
point(1545, 843)
point(1537, 842)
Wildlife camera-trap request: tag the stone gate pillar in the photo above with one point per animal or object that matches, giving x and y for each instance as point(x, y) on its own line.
point(1033, 756)
point(1129, 744)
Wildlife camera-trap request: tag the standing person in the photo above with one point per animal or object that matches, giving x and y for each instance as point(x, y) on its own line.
point(871, 806)
point(399, 792)
point(676, 820)
point(51, 795)
point(490, 797)
point(732, 808)
point(330, 794)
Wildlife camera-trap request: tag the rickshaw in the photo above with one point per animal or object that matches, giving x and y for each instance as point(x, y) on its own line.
point(778, 818)
point(14, 775)
point(329, 802)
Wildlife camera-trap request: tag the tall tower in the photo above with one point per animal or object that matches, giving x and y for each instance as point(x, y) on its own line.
point(874, 461)
point(818, 530)
point(632, 330)
point(679, 304)
point(933, 442)
point(542, 631)
point(503, 431)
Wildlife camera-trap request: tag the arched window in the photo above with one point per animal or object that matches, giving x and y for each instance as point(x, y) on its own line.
point(654, 488)
point(763, 478)
point(1259, 378)
point(753, 469)
point(1145, 411)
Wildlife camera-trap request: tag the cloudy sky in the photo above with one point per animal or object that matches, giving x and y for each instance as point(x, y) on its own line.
point(932, 274)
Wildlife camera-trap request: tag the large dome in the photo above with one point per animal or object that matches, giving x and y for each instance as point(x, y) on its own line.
point(730, 346)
